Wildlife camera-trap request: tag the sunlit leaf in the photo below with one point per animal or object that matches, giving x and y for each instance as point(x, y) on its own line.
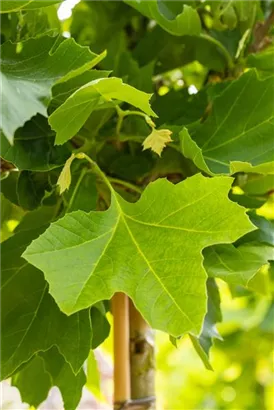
point(114, 253)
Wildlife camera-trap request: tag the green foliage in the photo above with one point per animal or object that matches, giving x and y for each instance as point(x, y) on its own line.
point(103, 245)
point(104, 137)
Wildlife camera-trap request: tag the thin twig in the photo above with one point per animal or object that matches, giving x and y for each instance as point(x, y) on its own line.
point(125, 184)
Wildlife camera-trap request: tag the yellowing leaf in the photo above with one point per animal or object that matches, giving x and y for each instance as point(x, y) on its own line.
point(64, 179)
point(157, 140)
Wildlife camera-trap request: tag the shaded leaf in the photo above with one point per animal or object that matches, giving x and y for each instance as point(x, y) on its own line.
point(204, 341)
point(69, 384)
point(187, 21)
point(28, 75)
point(136, 249)
point(264, 234)
point(32, 188)
point(33, 382)
point(31, 320)
point(236, 266)
point(33, 148)
point(100, 324)
point(83, 193)
point(44, 371)
point(237, 135)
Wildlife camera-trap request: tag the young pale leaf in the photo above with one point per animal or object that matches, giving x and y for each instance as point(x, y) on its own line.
point(72, 115)
point(185, 22)
point(157, 140)
point(152, 247)
point(64, 179)
point(31, 321)
point(28, 75)
point(238, 134)
point(203, 343)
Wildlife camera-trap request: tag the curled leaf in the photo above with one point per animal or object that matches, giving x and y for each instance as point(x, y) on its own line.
point(157, 140)
point(64, 179)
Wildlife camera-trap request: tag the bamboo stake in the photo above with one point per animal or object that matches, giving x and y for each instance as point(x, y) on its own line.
point(120, 310)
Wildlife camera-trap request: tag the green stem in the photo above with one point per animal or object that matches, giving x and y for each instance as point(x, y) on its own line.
point(83, 172)
point(125, 184)
point(224, 51)
point(96, 169)
point(100, 174)
point(125, 113)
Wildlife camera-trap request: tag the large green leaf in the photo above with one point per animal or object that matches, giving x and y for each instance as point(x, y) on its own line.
point(33, 148)
point(238, 133)
point(71, 116)
point(44, 371)
point(31, 320)
point(27, 76)
point(179, 22)
point(152, 247)
point(8, 6)
point(11, 5)
point(61, 91)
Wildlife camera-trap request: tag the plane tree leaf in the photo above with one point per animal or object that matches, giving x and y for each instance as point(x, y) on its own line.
point(186, 21)
point(82, 102)
point(33, 148)
point(263, 62)
point(44, 371)
point(27, 76)
point(237, 265)
point(88, 257)
point(31, 321)
point(69, 384)
point(204, 341)
point(33, 382)
point(8, 6)
point(237, 135)
point(264, 234)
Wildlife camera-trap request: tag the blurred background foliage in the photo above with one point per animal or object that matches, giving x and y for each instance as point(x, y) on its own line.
point(243, 377)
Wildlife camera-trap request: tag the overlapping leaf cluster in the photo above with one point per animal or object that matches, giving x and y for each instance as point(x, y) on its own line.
point(85, 211)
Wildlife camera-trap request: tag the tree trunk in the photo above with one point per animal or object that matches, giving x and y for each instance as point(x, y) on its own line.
point(142, 361)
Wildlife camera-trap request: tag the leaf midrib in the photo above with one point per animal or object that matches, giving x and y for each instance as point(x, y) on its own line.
point(124, 216)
